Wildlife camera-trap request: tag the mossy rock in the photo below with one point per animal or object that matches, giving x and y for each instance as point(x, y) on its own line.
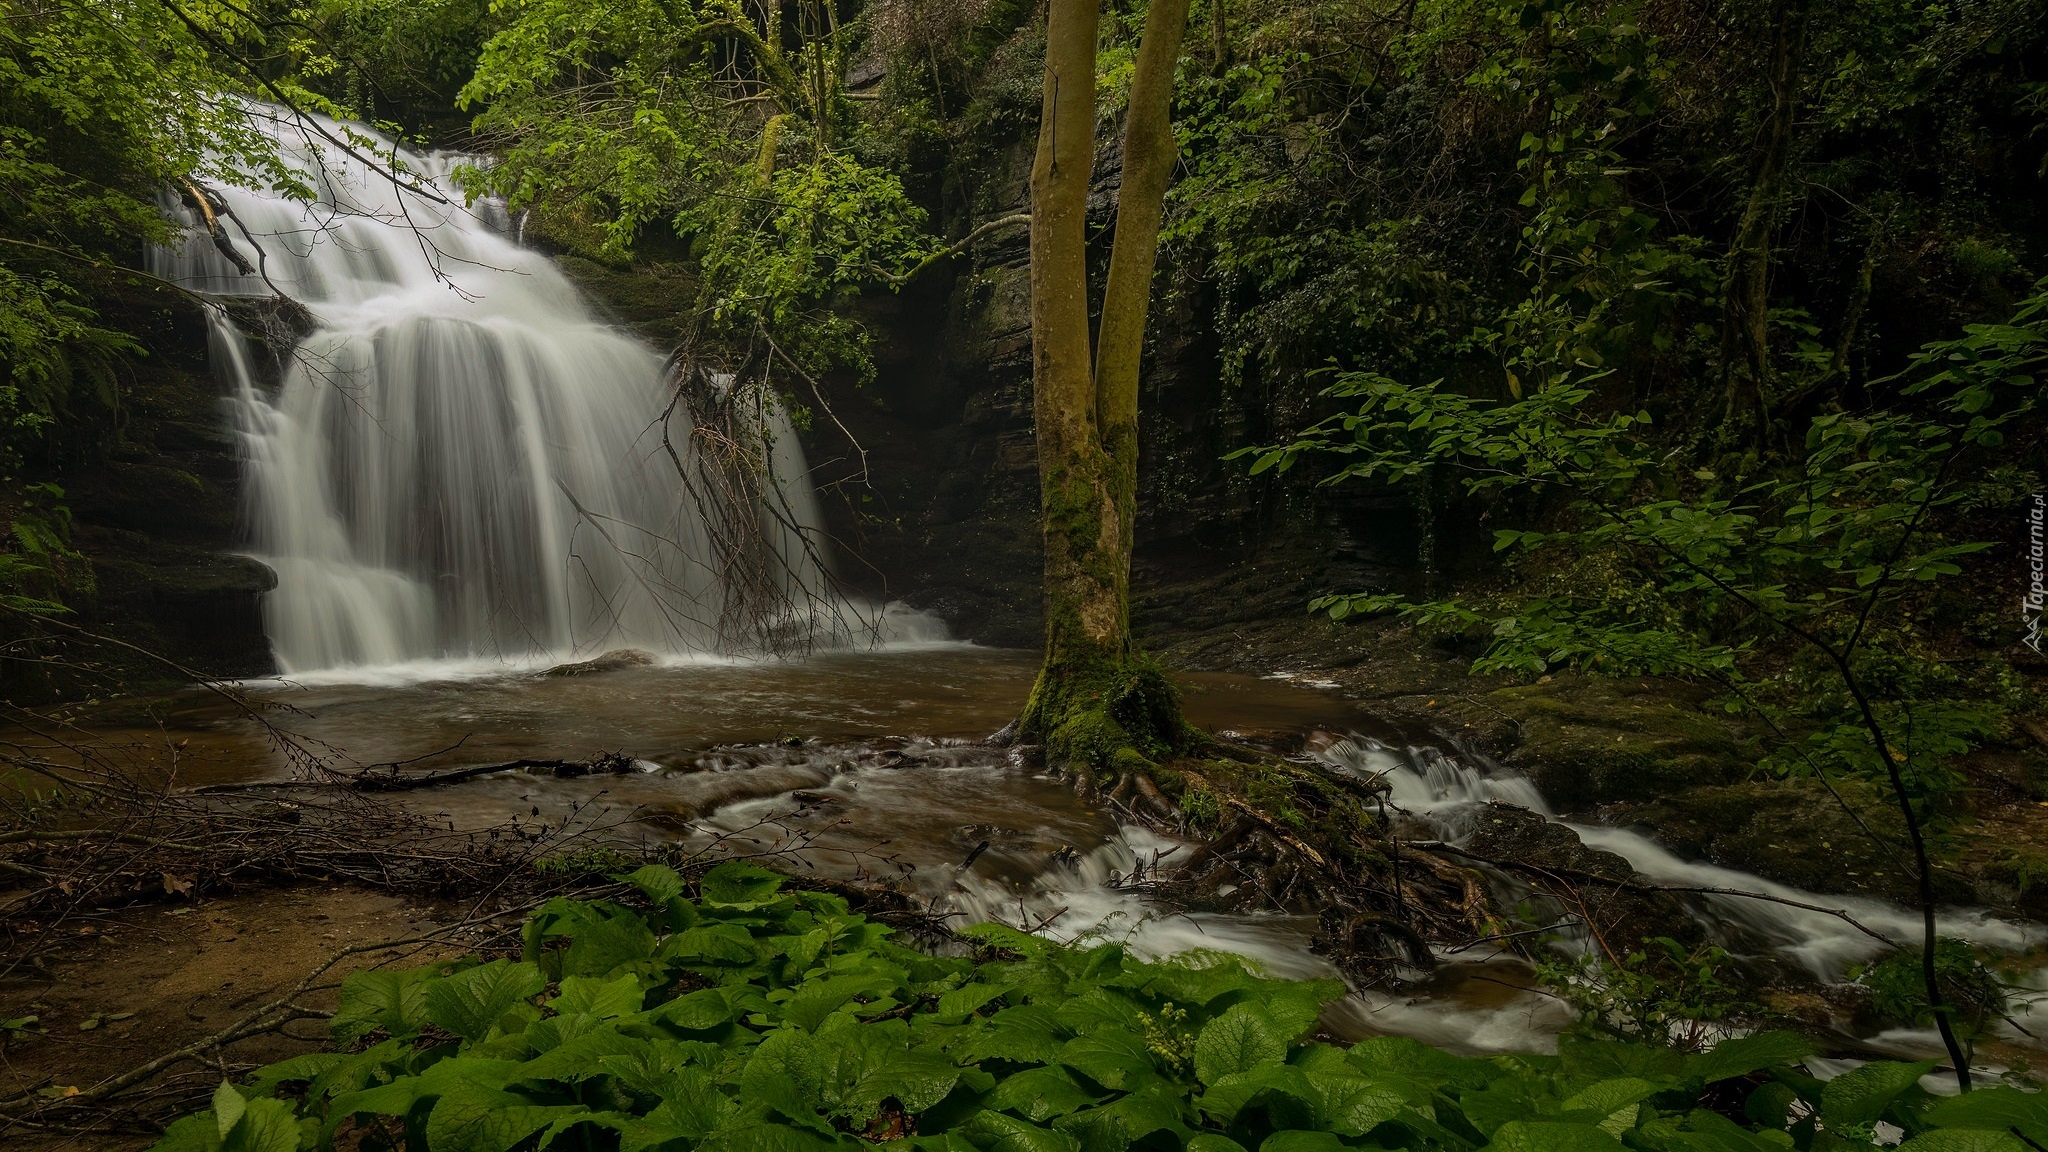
point(1588, 740)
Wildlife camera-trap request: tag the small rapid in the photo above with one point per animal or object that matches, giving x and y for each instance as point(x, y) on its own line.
point(1451, 791)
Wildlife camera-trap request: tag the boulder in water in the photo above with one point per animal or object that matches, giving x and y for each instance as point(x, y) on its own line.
point(612, 661)
point(1622, 907)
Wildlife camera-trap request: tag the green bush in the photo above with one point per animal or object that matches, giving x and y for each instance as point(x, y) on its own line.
point(753, 1018)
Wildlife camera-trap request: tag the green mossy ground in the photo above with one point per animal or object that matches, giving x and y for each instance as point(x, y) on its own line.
point(1588, 741)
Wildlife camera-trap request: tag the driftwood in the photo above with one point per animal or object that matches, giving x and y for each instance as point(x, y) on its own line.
point(372, 780)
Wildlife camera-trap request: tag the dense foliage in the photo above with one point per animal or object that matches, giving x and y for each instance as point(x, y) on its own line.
point(753, 1018)
point(1831, 548)
point(703, 125)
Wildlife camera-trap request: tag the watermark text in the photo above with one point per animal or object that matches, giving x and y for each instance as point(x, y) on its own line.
point(2035, 601)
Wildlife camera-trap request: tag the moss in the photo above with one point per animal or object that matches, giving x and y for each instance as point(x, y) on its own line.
point(1591, 740)
point(1105, 717)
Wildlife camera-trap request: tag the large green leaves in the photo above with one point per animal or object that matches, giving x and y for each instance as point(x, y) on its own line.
point(820, 1031)
point(394, 1002)
point(1240, 1040)
point(470, 1002)
point(1861, 1095)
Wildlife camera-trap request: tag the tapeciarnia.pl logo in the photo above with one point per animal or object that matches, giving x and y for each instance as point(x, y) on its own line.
point(2036, 599)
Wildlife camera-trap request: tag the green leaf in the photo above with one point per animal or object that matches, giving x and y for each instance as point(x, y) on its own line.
point(814, 1000)
point(786, 1073)
point(995, 1132)
point(228, 1106)
point(966, 1000)
point(267, 1126)
point(1998, 1108)
point(1124, 1123)
point(1109, 1057)
point(1609, 1096)
point(1210, 1142)
point(470, 1002)
point(1294, 1006)
point(1040, 1094)
point(695, 1011)
point(1197, 978)
point(395, 1002)
point(1026, 1034)
point(738, 884)
point(1551, 1136)
point(1296, 1140)
point(1352, 1105)
point(581, 1058)
point(1271, 1085)
point(723, 943)
point(604, 999)
point(918, 1081)
point(1241, 1039)
point(1861, 1095)
point(602, 941)
point(1964, 1140)
point(471, 1118)
point(196, 1133)
point(658, 882)
point(1745, 1054)
point(762, 1138)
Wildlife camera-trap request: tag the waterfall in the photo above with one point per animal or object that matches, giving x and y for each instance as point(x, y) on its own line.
point(461, 461)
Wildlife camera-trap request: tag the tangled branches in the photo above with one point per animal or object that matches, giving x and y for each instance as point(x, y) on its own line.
point(741, 467)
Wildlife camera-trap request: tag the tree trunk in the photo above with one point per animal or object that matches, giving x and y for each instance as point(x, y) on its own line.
point(1097, 706)
point(1745, 288)
point(1149, 156)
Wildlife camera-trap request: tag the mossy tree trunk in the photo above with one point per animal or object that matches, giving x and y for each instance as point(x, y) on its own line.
point(1098, 705)
point(1745, 287)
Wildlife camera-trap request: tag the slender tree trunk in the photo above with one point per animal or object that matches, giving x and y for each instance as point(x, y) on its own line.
point(1745, 289)
point(1097, 706)
point(1219, 38)
point(1149, 156)
point(1083, 607)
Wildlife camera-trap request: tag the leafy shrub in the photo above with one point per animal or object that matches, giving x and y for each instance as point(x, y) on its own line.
point(753, 1018)
point(1665, 995)
point(1969, 990)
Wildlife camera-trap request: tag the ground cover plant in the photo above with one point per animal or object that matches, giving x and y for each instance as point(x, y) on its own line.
point(752, 1017)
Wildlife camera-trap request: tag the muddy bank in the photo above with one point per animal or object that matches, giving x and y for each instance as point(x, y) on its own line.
point(125, 987)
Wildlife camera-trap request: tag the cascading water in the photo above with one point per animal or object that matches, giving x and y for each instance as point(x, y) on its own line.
point(1449, 793)
point(461, 462)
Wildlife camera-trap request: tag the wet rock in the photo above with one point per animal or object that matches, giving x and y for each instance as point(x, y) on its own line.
point(602, 764)
point(1791, 831)
point(613, 661)
point(1585, 882)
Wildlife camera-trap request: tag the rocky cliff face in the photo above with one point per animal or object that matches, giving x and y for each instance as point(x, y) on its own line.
point(153, 490)
point(933, 466)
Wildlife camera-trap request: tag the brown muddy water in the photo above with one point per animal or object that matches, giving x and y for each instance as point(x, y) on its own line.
point(855, 765)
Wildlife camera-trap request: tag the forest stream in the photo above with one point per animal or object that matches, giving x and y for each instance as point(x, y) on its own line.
point(461, 477)
point(875, 766)
point(574, 599)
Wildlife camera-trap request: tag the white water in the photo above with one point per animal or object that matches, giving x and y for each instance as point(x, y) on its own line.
point(1091, 896)
point(462, 466)
point(1451, 793)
